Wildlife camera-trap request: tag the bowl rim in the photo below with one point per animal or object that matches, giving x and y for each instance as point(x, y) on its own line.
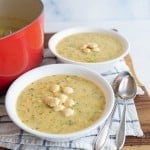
point(61, 137)
point(74, 30)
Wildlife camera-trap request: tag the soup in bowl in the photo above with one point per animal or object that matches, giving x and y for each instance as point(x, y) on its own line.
point(94, 48)
point(59, 102)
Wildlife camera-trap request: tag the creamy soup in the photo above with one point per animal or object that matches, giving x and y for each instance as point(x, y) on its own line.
point(90, 47)
point(84, 104)
point(8, 26)
point(7, 30)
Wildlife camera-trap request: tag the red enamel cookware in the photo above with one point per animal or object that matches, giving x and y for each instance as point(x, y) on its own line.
point(21, 38)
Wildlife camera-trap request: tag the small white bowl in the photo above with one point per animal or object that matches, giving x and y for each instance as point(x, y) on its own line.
point(19, 84)
point(100, 66)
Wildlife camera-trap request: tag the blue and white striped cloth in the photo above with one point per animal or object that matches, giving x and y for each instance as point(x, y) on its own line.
point(12, 137)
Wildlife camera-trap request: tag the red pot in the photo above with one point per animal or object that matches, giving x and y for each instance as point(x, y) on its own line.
point(21, 50)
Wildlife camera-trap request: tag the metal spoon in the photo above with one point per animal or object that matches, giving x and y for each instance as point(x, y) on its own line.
point(125, 88)
point(100, 140)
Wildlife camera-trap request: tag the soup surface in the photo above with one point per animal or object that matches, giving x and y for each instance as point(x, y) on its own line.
point(10, 25)
point(88, 106)
point(78, 47)
point(7, 30)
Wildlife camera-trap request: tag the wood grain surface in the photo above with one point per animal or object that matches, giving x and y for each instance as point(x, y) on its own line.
point(142, 103)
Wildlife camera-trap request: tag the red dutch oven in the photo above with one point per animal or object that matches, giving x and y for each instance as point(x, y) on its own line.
point(21, 50)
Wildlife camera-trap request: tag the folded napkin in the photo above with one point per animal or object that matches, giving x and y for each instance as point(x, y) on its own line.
point(12, 137)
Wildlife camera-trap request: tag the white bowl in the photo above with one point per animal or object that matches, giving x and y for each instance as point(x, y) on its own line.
point(100, 66)
point(19, 84)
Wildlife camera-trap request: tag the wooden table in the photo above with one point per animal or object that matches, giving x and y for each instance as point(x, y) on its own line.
point(143, 109)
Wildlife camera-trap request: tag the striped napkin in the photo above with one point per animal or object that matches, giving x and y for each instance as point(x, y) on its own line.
point(12, 137)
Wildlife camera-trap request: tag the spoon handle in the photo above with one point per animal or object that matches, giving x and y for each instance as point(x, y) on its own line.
point(104, 132)
point(102, 135)
point(120, 138)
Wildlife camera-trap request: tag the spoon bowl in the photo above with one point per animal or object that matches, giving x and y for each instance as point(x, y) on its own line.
point(127, 88)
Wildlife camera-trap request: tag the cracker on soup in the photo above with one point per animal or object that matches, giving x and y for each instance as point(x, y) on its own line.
point(90, 47)
point(60, 104)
